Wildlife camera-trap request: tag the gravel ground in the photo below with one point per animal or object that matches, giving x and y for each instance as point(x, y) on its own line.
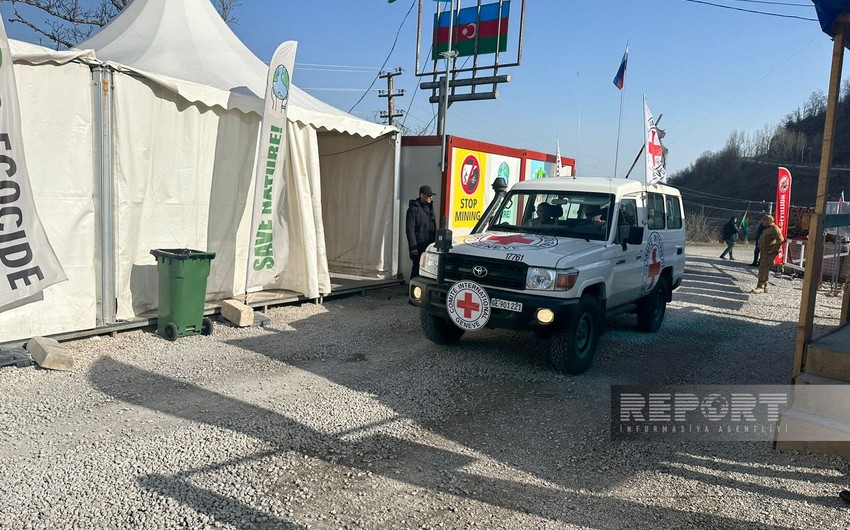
point(344, 416)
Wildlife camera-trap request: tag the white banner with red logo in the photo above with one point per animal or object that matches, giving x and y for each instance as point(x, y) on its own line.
point(783, 207)
point(269, 247)
point(656, 156)
point(28, 263)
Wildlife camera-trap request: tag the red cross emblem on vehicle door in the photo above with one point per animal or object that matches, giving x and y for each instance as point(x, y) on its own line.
point(654, 268)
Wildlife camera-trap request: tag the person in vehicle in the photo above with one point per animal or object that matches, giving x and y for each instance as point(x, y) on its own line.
point(545, 214)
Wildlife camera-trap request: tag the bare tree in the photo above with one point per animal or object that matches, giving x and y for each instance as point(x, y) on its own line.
point(69, 22)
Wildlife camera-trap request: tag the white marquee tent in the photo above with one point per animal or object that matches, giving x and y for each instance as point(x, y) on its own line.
point(161, 155)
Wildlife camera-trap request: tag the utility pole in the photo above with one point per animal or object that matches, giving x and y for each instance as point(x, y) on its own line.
point(390, 93)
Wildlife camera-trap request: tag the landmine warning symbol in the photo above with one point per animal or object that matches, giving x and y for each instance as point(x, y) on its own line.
point(470, 174)
point(468, 305)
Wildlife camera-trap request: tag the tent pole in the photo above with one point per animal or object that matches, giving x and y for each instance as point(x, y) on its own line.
point(104, 204)
point(814, 249)
point(396, 205)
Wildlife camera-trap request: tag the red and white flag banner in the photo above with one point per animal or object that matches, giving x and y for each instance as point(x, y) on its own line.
point(783, 207)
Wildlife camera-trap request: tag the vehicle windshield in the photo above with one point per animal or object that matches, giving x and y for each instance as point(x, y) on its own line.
point(580, 215)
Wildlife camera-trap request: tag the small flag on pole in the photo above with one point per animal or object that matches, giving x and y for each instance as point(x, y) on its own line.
point(620, 78)
point(656, 154)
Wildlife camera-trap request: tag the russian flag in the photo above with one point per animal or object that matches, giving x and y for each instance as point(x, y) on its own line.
point(620, 78)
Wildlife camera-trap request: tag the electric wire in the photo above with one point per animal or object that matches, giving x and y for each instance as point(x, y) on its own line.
point(786, 4)
point(392, 49)
point(752, 10)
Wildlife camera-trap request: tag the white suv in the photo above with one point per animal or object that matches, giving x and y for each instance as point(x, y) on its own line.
point(555, 256)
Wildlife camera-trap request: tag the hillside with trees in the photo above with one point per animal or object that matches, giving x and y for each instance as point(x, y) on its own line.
point(743, 174)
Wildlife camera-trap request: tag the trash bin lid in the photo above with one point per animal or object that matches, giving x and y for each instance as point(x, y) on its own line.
point(182, 253)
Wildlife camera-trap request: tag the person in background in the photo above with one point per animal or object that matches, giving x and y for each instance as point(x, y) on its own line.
point(420, 226)
point(769, 243)
point(759, 232)
point(730, 234)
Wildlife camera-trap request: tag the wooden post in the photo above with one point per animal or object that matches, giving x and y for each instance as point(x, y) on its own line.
point(814, 249)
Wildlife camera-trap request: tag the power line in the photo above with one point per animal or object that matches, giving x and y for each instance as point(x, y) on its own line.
point(751, 85)
point(787, 4)
point(335, 66)
point(714, 195)
point(392, 49)
point(752, 11)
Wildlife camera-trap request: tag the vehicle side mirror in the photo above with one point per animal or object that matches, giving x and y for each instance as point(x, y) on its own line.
point(635, 235)
point(631, 235)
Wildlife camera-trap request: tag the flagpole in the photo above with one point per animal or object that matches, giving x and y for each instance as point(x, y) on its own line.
point(619, 126)
point(620, 123)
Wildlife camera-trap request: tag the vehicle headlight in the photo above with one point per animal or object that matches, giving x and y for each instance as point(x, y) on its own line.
point(541, 279)
point(428, 262)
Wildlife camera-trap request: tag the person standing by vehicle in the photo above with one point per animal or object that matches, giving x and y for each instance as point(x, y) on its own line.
point(769, 243)
point(730, 234)
point(420, 226)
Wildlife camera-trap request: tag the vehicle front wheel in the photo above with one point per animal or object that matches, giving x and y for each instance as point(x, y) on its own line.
point(438, 329)
point(652, 307)
point(571, 350)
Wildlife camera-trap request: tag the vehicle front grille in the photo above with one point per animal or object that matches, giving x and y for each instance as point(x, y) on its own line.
point(500, 273)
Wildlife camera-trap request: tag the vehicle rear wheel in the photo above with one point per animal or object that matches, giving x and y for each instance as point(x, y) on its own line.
point(652, 307)
point(438, 329)
point(571, 350)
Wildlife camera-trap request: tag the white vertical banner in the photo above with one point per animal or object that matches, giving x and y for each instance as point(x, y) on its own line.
point(656, 154)
point(28, 263)
point(269, 247)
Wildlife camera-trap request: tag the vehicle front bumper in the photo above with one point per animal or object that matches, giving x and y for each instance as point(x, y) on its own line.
point(433, 301)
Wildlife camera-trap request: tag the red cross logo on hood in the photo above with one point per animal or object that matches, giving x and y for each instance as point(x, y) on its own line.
point(509, 240)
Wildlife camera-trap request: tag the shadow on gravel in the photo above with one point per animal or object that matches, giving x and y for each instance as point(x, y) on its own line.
point(418, 464)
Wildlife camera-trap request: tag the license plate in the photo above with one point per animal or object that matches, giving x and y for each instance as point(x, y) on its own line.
point(506, 304)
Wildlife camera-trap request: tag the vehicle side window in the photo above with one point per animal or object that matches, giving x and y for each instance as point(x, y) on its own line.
point(674, 213)
point(655, 211)
point(626, 219)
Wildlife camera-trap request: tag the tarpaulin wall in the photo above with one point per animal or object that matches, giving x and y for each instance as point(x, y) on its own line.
point(58, 143)
point(357, 199)
point(183, 177)
point(182, 180)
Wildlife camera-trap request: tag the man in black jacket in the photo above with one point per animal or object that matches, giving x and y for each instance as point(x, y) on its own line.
point(420, 226)
point(755, 262)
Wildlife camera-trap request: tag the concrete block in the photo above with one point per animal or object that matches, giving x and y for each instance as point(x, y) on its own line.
point(237, 313)
point(49, 354)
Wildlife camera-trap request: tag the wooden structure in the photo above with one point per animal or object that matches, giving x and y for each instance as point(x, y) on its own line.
point(824, 360)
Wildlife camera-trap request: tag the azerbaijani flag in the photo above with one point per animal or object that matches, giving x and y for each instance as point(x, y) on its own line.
point(620, 78)
point(474, 31)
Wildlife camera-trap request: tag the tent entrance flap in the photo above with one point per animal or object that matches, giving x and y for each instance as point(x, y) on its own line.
point(358, 200)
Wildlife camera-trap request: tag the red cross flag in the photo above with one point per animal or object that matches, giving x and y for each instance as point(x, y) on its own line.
point(656, 154)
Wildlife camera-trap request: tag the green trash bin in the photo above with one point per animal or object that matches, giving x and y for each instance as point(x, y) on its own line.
point(182, 289)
